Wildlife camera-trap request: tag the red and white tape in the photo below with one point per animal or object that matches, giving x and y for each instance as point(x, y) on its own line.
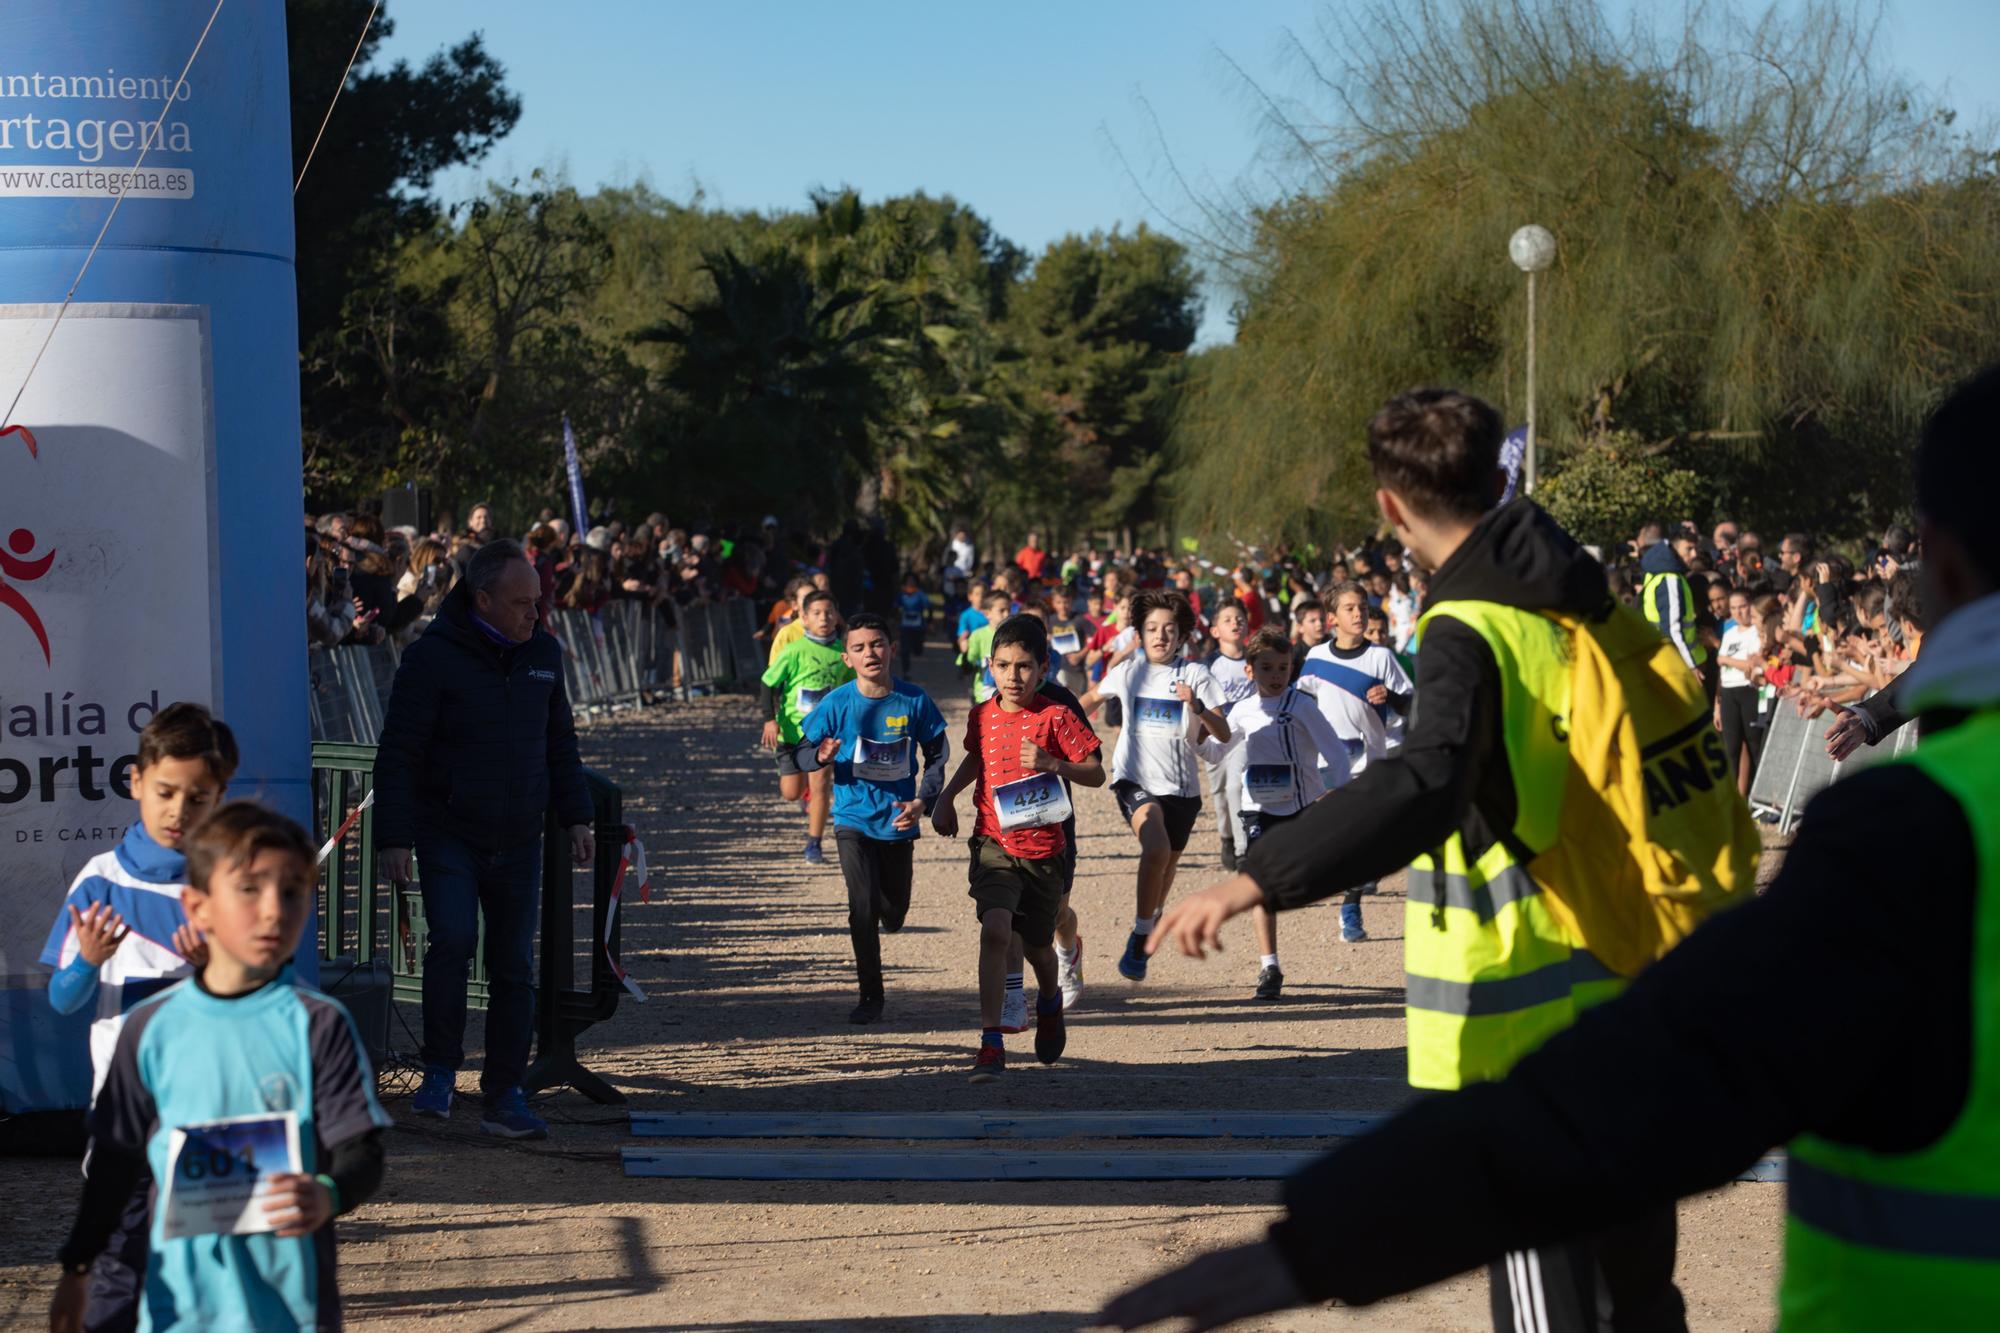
point(632, 862)
point(346, 827)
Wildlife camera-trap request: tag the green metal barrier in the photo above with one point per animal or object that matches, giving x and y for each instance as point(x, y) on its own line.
point(359, 920)
point(358, 917)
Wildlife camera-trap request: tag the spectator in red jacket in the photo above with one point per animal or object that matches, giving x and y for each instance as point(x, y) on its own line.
point(1031, 558)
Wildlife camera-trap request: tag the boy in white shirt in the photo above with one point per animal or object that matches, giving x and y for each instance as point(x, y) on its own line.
point(1280, 741)
point(1168, 705)
point(1361, 689)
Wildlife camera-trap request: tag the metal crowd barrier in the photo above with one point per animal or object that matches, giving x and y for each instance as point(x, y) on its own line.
point(1794, 766)
point(349, 688)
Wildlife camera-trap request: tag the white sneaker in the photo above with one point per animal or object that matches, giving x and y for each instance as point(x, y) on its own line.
point(1069, 972)
point(1014, 1012)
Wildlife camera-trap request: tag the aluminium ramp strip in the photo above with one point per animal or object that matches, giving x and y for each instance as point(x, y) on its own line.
point(987, 1164)
point(957, 1164)
point(991, 1164)
point(998, 1125)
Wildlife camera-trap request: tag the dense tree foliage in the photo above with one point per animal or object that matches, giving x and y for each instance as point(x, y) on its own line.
point(895, 358)
point(1772, 257)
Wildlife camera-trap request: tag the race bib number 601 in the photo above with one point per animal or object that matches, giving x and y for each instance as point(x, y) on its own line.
point(216, 1173)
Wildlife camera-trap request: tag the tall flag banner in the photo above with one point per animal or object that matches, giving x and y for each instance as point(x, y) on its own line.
point(1513, 452)
point(579, 515)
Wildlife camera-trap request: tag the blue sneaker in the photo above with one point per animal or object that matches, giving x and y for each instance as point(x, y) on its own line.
point(1350, 924)
point(814, 856)
point(1132, 966)
point(508, 1116)
point(433, 1099)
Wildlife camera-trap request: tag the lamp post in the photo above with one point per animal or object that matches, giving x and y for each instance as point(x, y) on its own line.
point(1532, 249)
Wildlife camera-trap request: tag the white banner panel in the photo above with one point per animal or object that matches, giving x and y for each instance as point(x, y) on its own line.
point(107, 582)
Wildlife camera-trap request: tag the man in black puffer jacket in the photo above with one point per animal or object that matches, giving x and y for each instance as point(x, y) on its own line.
point(477, 745)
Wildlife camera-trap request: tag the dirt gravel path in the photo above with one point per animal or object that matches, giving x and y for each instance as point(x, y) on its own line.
point(743, 951)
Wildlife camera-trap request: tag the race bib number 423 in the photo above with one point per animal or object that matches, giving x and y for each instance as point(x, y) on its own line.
point(1031, 802)
point(216, 1173)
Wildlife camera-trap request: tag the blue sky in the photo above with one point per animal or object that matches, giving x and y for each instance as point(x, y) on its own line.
point(1031, 112)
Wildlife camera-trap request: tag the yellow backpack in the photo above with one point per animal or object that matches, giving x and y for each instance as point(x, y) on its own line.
point(1655, 837)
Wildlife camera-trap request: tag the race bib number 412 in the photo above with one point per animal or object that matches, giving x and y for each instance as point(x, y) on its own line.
point(1031, 802)
point(1268, 784)
point(216, 1173)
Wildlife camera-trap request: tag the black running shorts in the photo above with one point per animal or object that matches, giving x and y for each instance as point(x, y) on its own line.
point(1181, 811)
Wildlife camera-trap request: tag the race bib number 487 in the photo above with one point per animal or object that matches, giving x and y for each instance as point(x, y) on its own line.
point(882, 761)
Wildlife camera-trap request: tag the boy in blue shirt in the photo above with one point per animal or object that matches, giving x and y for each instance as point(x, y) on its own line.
point(121, 936)
point(232, 1077)
point(868, 730)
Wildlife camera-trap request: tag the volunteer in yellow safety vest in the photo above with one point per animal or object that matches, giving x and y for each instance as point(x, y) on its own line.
point(1800, 1018)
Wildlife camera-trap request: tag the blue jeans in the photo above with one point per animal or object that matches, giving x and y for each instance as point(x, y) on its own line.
point(458, 882)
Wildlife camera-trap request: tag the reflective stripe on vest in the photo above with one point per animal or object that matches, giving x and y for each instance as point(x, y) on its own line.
point(1912, 1240)
point(1483, 900)
point(1682, 594)
point(1499, 995)
point(1885, 1217)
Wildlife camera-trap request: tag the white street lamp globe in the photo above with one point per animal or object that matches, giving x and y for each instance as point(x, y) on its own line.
point(1532, 248)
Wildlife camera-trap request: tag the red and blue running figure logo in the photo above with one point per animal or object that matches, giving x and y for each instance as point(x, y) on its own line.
point(15, 567)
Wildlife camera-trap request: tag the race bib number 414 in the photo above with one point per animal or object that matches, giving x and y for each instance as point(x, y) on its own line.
point(1031, 802)
point(1162, 715)
point(216, 1173)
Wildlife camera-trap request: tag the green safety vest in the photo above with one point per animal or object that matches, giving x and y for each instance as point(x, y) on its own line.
point(1912, 1240)
point(1489, 972)
point(1649, 603)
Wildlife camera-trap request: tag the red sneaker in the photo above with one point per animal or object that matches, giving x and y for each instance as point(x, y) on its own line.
point(992, 1060)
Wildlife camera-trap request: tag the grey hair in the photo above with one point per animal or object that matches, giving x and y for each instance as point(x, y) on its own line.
point(484, 569)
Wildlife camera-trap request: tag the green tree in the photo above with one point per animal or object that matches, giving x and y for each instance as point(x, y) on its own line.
point(365, 196)
point(776, 389)
point(1102, 326)
point(1768, 265)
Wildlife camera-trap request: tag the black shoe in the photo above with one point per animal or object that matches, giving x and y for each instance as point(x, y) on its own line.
point(1228, 855)
point(867, 1011)
point(1050, 1037)
point(1269, 983)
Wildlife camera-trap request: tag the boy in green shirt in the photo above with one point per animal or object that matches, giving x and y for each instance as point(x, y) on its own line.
point(979, 643)
point(799, 675)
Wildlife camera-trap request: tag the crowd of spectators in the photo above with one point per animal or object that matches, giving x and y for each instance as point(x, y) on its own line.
point(367, 584)
point(1803, 626)
point(1806, 626)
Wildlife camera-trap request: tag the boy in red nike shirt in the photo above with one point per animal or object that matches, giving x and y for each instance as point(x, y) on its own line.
point(1020, 747)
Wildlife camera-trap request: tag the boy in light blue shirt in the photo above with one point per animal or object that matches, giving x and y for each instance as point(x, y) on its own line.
point(870, 731)
point(249, 1097)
